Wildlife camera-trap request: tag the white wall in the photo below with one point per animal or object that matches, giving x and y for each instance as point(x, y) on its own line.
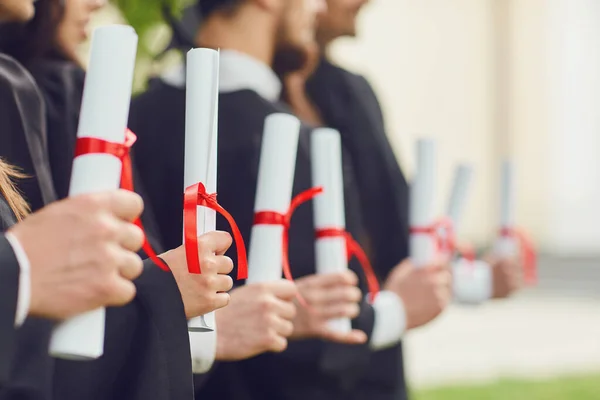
point(489, 78)
point(431, 64)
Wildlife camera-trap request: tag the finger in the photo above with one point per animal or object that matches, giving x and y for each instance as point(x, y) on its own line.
point(121, 292)
point(278, 344)
point(130, 236)
point(123, 204)
point(224, 264)
point(353, 337)
point(324, 296)
point(282, 289)
point(284, 309)
point(220, 300)
point(283, 327)
point(327, 280)
point(340, 310)
point(217, 242)
point(222, 283)
point(130, 266)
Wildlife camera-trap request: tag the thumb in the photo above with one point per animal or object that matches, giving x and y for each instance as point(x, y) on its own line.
point(353, 337)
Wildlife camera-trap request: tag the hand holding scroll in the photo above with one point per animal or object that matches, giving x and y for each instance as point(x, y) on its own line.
point(82, 253)
point(329, 296)
point(205, 292)
point(424, 291)
point(258, 319)
point(507, 276)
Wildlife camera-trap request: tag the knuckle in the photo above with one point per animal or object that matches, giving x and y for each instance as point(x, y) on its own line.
point(266, 304)
point(353, 311)
point(208, 264)
point(89, 201)
point(104, 227)
point(103, 289)
point(210, 282)
point(109, 257)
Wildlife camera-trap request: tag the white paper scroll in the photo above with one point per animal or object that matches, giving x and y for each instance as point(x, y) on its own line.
point(201, 138)
point(273, 193)
point(104, 114)
point(463, 177)
point(422, 191)
point(507, 246)
point(329, 211)
point(471, 281)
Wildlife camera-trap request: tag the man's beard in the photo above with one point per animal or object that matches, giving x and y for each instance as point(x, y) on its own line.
point(288, 58)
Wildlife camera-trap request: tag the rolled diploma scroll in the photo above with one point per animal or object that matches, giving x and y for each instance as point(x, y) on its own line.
point(507, 246)
point(423, 246)
point(331, 254)
point(201, 137)
point(463, 177)
point(472, 280)
point(273, 193)
point(104, 114)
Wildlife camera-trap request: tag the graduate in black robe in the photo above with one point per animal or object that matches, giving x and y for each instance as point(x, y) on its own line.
point(347, 103)
point(146, 347)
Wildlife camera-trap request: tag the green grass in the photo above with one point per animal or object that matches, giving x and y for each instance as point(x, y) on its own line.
point(568, 388)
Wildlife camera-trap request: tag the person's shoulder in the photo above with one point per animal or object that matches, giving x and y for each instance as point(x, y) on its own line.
point(332, 70)
point(248, 102)
point(13, 75)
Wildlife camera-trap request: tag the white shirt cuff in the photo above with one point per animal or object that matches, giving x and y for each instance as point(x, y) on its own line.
point(24, 293)
point(390, 320)
point(472, 281)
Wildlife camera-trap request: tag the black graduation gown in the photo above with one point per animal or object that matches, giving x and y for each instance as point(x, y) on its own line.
point(9, 280)
point(146, 350)
point(308, 369)
point(146, 345)
point(348, 103)
point(24, 141)
point(143, 351)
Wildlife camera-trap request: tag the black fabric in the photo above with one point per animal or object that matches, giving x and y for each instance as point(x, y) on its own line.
point(9, 280)
point(28, 347)
point(348, 103)
point(146, 348)
point(24, 141)
point(146, 354)
point(306, 369)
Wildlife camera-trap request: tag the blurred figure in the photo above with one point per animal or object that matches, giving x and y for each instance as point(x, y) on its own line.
point(325, 94)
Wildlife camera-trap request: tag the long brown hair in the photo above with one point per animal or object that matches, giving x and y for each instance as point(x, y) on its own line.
point(10, 192)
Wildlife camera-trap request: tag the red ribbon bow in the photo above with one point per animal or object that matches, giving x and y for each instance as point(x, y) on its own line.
point(275, 218)
point(91, 145)
point(445, 242)
point(195, 196)
point(353, 249)
point(528, 254)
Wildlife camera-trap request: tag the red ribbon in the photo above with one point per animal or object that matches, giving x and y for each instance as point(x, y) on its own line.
point(91, 145)
point(528, 254)
point(447, 242)
point(354, 249)
point(195, 196)
point(275, 218)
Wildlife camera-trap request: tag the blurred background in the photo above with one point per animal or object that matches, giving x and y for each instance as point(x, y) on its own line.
point(487, 79)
